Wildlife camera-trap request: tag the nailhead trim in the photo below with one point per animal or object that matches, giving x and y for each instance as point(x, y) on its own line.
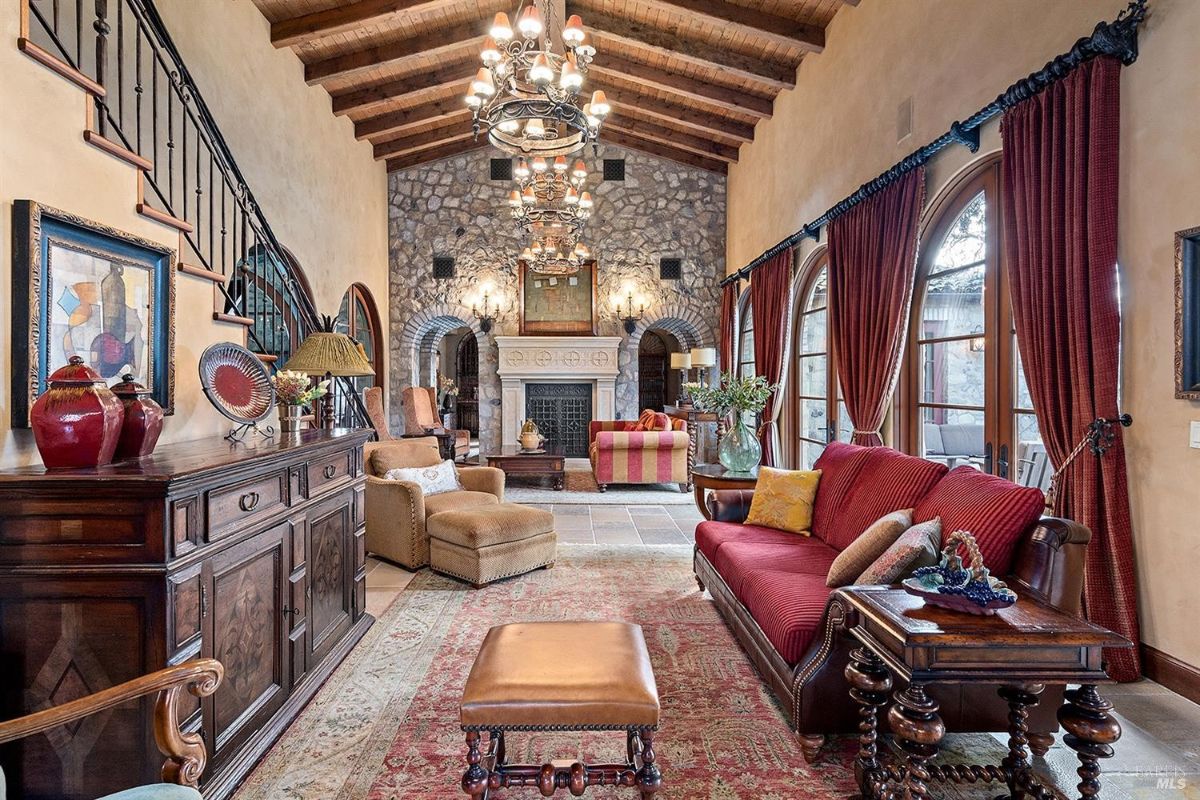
point(494, 577)
point(556, 728)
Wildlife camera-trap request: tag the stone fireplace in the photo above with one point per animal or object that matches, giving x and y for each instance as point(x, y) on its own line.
point(588, 363)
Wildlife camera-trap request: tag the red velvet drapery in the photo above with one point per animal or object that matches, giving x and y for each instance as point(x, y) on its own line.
point(769, 299)
point(1059, 172)
point(872, 266)
point(728, 322)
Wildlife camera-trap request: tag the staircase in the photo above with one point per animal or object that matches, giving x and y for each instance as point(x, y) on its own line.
point(143, 107)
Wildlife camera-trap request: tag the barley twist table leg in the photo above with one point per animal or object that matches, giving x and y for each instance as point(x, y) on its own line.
point(1091, 732)
point(870, 684)
point(918, 729)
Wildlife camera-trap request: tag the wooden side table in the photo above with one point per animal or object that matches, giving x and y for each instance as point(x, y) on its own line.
point(1022, 648)
point(693, 417)
point(445, 439)
point(716, 477)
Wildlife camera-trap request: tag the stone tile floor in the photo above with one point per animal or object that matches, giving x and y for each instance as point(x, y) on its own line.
point(1158, 755)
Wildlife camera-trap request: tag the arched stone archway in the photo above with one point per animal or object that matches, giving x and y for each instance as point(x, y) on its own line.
point(416, 345)
point(687, 326)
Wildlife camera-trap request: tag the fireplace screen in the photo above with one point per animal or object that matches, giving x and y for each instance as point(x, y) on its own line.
point(562, 412)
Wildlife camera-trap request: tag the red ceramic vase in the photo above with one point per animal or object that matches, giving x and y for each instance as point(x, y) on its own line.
point(77, 421)
point(143, 420)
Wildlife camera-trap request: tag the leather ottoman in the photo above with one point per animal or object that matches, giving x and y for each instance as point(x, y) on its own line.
point(528, 677)
point(481, 545)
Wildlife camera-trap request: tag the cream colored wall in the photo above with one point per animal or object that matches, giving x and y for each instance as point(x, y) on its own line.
point(838, 128)
point(319, 188)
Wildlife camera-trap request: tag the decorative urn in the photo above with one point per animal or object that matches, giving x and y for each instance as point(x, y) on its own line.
point(77, 421)
point(530, 437)
point(143, 420)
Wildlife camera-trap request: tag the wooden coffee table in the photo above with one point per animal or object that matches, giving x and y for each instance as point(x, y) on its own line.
point(1021, 648)
point(551, 463)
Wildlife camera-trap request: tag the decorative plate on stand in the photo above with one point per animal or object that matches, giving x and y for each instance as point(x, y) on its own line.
point(237, 383)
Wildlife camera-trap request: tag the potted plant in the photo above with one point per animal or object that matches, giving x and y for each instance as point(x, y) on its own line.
point(293, 391)
point(740, 450)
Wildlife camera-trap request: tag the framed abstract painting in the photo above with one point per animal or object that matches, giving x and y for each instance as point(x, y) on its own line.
point(81, 288)
point(557, 305)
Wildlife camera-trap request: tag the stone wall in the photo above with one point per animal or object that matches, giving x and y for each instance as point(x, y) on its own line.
point(452, 208)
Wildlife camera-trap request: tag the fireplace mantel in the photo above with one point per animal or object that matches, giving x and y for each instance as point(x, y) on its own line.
point(551, 359)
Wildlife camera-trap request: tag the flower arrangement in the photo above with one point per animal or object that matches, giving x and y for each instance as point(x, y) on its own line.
point(294, 388)
point(446, 388)
point(733, 395)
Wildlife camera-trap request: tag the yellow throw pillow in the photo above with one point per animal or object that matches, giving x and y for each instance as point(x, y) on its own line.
point(783, 499)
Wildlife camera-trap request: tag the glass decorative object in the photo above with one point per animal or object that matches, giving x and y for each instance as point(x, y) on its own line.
point(740, 450)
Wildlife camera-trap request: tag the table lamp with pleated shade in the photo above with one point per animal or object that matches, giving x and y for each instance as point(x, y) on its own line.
point(331, 355)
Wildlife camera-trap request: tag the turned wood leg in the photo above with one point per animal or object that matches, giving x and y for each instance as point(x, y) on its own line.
point(810, 745)
point(684, 488)
point(603, 487)
point(870, 684)
point(1040, 743)
point(700, 583)
point(918, 729)
point(698, 495)
point(649, 778)
point(497, 738)
point(1091, 732)
point(1016, 764)
point(475, 779)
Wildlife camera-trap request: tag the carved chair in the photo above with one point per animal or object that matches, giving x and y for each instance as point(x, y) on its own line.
point(373, 400)
point(185, 752)
point(421, 416)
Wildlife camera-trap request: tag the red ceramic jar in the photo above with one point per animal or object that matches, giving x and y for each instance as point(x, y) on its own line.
point(77, 421)
point(143, 420)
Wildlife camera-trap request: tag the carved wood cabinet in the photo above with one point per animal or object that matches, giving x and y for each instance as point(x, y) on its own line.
point(252, 554)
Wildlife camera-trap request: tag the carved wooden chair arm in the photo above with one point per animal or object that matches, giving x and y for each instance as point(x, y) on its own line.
point(185, 752)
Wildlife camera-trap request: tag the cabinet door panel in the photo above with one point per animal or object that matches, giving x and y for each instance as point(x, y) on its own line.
point(246, 587)
point(330, 574)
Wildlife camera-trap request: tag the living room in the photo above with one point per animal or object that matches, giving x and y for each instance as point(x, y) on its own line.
point(435, 393)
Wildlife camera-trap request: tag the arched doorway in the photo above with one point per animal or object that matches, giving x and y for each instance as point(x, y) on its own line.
point(466, 370)
point(654, 373)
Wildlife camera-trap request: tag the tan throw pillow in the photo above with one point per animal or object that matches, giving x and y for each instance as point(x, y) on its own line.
point(869, 545)
point(404, 455)
point(783, 499)
point(917, 547)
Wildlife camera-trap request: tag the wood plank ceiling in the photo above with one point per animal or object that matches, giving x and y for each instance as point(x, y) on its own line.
point(688, 79)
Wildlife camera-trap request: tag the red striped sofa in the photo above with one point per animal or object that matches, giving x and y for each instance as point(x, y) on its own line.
point(770, 585)
point(620, 453)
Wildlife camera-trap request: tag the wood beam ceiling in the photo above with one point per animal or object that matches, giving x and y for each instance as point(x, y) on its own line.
point(454, 38)
point(665, 151)
point(678, 113)
point(671, 136)
point(426, 139)
point(395, 122)
point(748, 21)
point(436, 153)
point(319, 24)
point(665, 80)
point(458, 71)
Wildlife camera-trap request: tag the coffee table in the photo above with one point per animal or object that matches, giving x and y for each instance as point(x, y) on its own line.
point(551, 463)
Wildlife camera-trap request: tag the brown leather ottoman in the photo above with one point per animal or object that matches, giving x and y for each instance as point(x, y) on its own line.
point(525, 679)
point(485, 544)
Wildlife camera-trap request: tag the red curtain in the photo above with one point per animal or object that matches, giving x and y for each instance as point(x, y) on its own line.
point(872, 266)
point(1059, 174)
point(729, 302)
point(769, 286)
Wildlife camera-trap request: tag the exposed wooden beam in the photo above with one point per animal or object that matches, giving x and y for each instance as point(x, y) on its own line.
point(457, 37)
point(748, 21)
point(396, 122)
point(677, 113)
point(458, 71)
point(425, 140)
point(609, 63)
point(318, 24)
point(626, 33)
point(672, 137)
point(434, 154)
point(664, 151)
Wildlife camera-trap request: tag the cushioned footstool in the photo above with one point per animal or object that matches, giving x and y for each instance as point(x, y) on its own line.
point(561, 676)
point(485, 544)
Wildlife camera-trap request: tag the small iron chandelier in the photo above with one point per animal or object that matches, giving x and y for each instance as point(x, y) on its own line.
point(526, 95)
point(550, 197)
point(556, 255)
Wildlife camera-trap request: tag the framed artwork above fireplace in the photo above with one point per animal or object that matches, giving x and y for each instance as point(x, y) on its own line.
point(557, 305)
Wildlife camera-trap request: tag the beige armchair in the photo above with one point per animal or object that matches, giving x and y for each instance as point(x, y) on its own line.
point(421, 415)
point(397, 510)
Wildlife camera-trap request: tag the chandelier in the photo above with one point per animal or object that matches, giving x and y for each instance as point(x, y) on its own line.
point(526, 95)
point(556, 254)
point(550, 195)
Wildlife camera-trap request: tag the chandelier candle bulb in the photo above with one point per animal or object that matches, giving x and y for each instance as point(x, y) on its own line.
point(600, 106)
point(530, 23)
point(522, 168)
point(473, 100)
point(514, 199)
point(482, 85)
point(501, 29)
point(560, 164)
point(534, 129)
point(585, 48)
point(539, 165)
point(569, 77)
point(585, 200)
point(541, 73)
point(490, 54)
point(573, 31)
point(580, 169)
point(571, 197)
point(528, 196)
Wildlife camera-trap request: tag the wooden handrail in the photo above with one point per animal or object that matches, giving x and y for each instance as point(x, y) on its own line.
point(185, 752)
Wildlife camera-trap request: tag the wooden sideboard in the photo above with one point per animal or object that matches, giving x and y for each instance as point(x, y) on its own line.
point(252, 554)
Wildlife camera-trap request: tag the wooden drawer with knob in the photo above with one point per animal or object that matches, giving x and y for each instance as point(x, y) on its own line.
point(233, 508)
point(330, 473)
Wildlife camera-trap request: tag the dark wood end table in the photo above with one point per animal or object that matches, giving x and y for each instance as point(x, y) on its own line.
point(693, 417)
point(551, 463)
point(445, 440)
point(716, 477)
point(1022, 648)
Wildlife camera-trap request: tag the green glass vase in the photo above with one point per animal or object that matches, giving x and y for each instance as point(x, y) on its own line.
point(740, 450)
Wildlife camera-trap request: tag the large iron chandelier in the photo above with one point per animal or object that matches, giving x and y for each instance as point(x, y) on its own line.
point(526, 95)
point(550, 195)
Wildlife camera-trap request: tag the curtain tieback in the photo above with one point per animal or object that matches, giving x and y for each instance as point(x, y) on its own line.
point(874, 432)
point(1099, 438)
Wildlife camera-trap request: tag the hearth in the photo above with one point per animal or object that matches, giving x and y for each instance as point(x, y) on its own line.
point(562, 412)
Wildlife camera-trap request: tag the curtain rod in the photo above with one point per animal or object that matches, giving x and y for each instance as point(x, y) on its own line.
point(1117, 38)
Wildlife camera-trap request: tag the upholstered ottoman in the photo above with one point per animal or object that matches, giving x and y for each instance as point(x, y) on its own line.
point(481, 545)
point(561, 676)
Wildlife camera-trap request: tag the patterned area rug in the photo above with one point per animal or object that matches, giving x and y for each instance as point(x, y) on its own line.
point(385, 726)
point(581, 489)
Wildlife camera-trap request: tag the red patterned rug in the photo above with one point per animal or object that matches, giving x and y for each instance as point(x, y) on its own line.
point(385, 727)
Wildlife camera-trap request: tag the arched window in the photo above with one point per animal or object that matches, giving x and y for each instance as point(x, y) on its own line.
point(359, 318)
point(963, 402)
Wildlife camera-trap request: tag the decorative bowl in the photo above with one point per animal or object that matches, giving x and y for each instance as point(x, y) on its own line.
point(952, 585)
point(237, 383)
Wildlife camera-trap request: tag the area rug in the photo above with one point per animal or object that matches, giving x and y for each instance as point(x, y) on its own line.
point(385, 726)
point(580, 489)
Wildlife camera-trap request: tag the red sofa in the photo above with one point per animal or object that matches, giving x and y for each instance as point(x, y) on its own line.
point(770, 584)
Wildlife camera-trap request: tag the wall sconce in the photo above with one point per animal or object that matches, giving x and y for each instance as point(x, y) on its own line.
point(626, 314)
point(486, 316)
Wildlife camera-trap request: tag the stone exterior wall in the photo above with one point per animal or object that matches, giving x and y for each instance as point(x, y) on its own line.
point(451, 207)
